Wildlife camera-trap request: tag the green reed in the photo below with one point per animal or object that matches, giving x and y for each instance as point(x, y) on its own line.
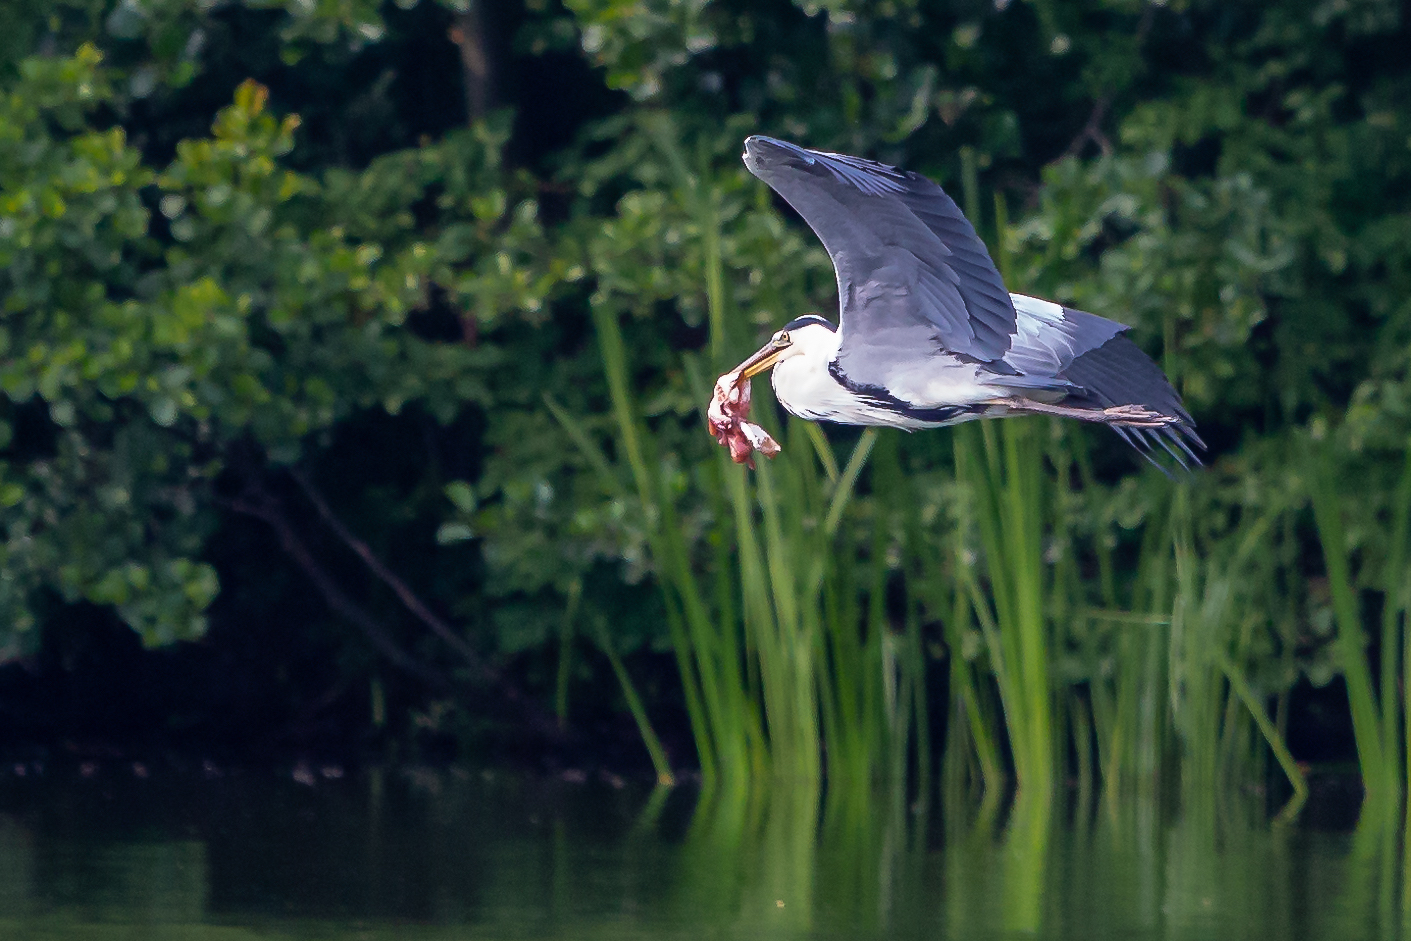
point(1396, 583)
point(1367, 726)
point(1119, 682)
point(1005, 492)
point(725, 730)
point(1218, 714)
point(1002, 471)
point(1380, 721)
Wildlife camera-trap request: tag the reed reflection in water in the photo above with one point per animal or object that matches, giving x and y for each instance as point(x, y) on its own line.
point(457, 855)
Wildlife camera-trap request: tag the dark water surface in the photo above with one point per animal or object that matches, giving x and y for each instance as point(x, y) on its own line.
point(441, 855)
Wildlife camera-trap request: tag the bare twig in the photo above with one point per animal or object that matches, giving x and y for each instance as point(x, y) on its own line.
point(422, 612)
point(1092, 130)
point(259, 504)
point(470, 329)
point(389, 578)
point(469, 36)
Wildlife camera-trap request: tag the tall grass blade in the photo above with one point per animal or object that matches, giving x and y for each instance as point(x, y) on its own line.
point(1377, 773)
point(1271, 735)
point(719, 745)
point(660, 764)
point(587, 447)
point(1396, 608)
point(570, 611)
point(1004, 484)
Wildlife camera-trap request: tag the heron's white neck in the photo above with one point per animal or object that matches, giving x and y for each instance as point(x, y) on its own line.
point(804, 386)
point(800, 378)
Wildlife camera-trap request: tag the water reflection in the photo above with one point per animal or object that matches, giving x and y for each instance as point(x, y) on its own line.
point(456, 855)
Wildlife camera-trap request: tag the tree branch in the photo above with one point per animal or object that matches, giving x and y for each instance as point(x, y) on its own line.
point(389, 578)
point(422, 612)
point(259, 504)
point(469, 36)
point(1092, 130)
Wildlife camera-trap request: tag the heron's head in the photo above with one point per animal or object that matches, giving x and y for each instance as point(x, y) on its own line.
point(809, 335)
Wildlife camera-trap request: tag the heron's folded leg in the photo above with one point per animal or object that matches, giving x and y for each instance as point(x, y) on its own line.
point(1131, 416)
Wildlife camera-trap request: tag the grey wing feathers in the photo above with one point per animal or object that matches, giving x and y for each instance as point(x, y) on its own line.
point(986, 299)
point(1117, 373)
point(1048, 336)
point(872, 216)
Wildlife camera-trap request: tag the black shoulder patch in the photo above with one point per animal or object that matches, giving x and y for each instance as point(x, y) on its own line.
point(880, 397)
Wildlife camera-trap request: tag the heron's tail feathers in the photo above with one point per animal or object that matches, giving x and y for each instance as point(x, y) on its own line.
point(1124, 389)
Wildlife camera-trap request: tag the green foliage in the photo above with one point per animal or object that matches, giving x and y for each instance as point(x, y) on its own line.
point(157, 319)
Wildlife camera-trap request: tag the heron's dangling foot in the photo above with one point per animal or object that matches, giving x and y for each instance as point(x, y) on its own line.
point(1138, 416)
point(1128, 416)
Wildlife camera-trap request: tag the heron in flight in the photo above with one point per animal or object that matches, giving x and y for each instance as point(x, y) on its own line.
point(927, 334)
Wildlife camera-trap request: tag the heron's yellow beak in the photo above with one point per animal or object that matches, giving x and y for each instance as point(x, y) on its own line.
point(767, 356)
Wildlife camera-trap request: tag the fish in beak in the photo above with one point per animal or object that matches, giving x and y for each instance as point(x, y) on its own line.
point(730, 407)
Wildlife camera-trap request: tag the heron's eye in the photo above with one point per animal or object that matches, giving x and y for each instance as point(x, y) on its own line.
point(781, 338)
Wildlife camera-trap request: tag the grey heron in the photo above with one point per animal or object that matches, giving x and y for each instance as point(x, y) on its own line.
point(927, 334)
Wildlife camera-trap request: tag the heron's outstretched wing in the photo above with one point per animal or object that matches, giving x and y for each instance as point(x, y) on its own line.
point(1101, 368)
point(912, 274)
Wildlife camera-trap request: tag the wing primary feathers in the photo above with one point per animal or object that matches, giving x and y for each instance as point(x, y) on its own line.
point(1118, 373)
